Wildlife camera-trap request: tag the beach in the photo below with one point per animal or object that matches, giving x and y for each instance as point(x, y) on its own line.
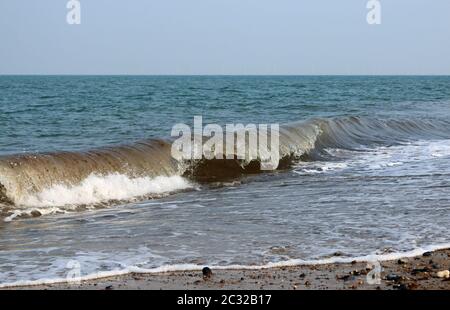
point(413, 273)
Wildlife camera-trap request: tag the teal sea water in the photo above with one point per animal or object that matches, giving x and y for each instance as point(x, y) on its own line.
point(76, 112)
point(368, 173)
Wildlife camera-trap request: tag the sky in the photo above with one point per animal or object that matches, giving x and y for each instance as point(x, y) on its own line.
point(237, 37)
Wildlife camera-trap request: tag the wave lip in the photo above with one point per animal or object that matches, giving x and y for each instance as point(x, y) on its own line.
point(23, 176)
point(308, 141)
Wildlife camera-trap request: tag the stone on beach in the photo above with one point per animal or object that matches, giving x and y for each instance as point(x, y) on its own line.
point(443, 274)
point(418, 270)
point(393, 277)
point(402, 261)
point(207, 273)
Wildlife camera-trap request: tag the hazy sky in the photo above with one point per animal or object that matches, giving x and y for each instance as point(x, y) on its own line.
point(224, 37)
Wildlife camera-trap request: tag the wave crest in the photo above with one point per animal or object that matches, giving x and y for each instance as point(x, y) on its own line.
point(127, 171)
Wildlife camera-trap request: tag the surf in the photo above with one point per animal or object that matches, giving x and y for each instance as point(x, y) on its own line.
point(147, 169)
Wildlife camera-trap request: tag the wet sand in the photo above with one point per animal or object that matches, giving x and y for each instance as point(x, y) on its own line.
point(416, 273)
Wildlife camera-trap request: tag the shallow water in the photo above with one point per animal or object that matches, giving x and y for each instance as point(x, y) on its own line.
point(387, 195)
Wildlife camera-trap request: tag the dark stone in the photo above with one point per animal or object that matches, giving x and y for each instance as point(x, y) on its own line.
point(302, 275)
point(344, 277)
point(207, 273)
point(426, 254)
point(109, 287)
point(420, 270)
point(402, 261)
point(35, 213)
point(393, 277)
point(356, 273)
point(401, 287)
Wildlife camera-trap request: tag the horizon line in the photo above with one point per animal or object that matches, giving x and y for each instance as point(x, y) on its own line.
point(212, 75)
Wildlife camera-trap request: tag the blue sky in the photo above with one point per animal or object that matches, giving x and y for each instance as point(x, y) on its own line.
point(225, 37)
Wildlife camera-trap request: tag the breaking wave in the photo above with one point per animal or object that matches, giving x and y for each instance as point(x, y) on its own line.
point(94, 191)
point(31, 182)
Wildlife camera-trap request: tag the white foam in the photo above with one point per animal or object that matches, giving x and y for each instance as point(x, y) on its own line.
point(380, 158)
point(96, 189)
point(319, 167)
point(29, 212)
point(194, 267)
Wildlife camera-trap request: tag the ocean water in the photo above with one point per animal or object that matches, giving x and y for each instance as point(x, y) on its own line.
point(87, 180)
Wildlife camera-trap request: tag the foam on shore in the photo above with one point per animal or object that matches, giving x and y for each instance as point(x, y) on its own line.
point(194, 267)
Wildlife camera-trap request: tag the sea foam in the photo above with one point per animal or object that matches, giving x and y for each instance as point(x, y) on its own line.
point(96, 189)
point(193, 267)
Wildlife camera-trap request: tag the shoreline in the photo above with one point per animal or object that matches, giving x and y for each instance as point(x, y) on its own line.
point(417, 272)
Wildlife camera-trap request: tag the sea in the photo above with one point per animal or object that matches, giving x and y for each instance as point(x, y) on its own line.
point(89, 187)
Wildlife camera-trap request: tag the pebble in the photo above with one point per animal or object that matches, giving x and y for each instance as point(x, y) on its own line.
point(344, 277)
point(207, 273)
point(427, 254)
point(400, 287)
point(443, 274)
point(393, 277)
point(35, 213)
point(419, 270)
point(402, 261)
